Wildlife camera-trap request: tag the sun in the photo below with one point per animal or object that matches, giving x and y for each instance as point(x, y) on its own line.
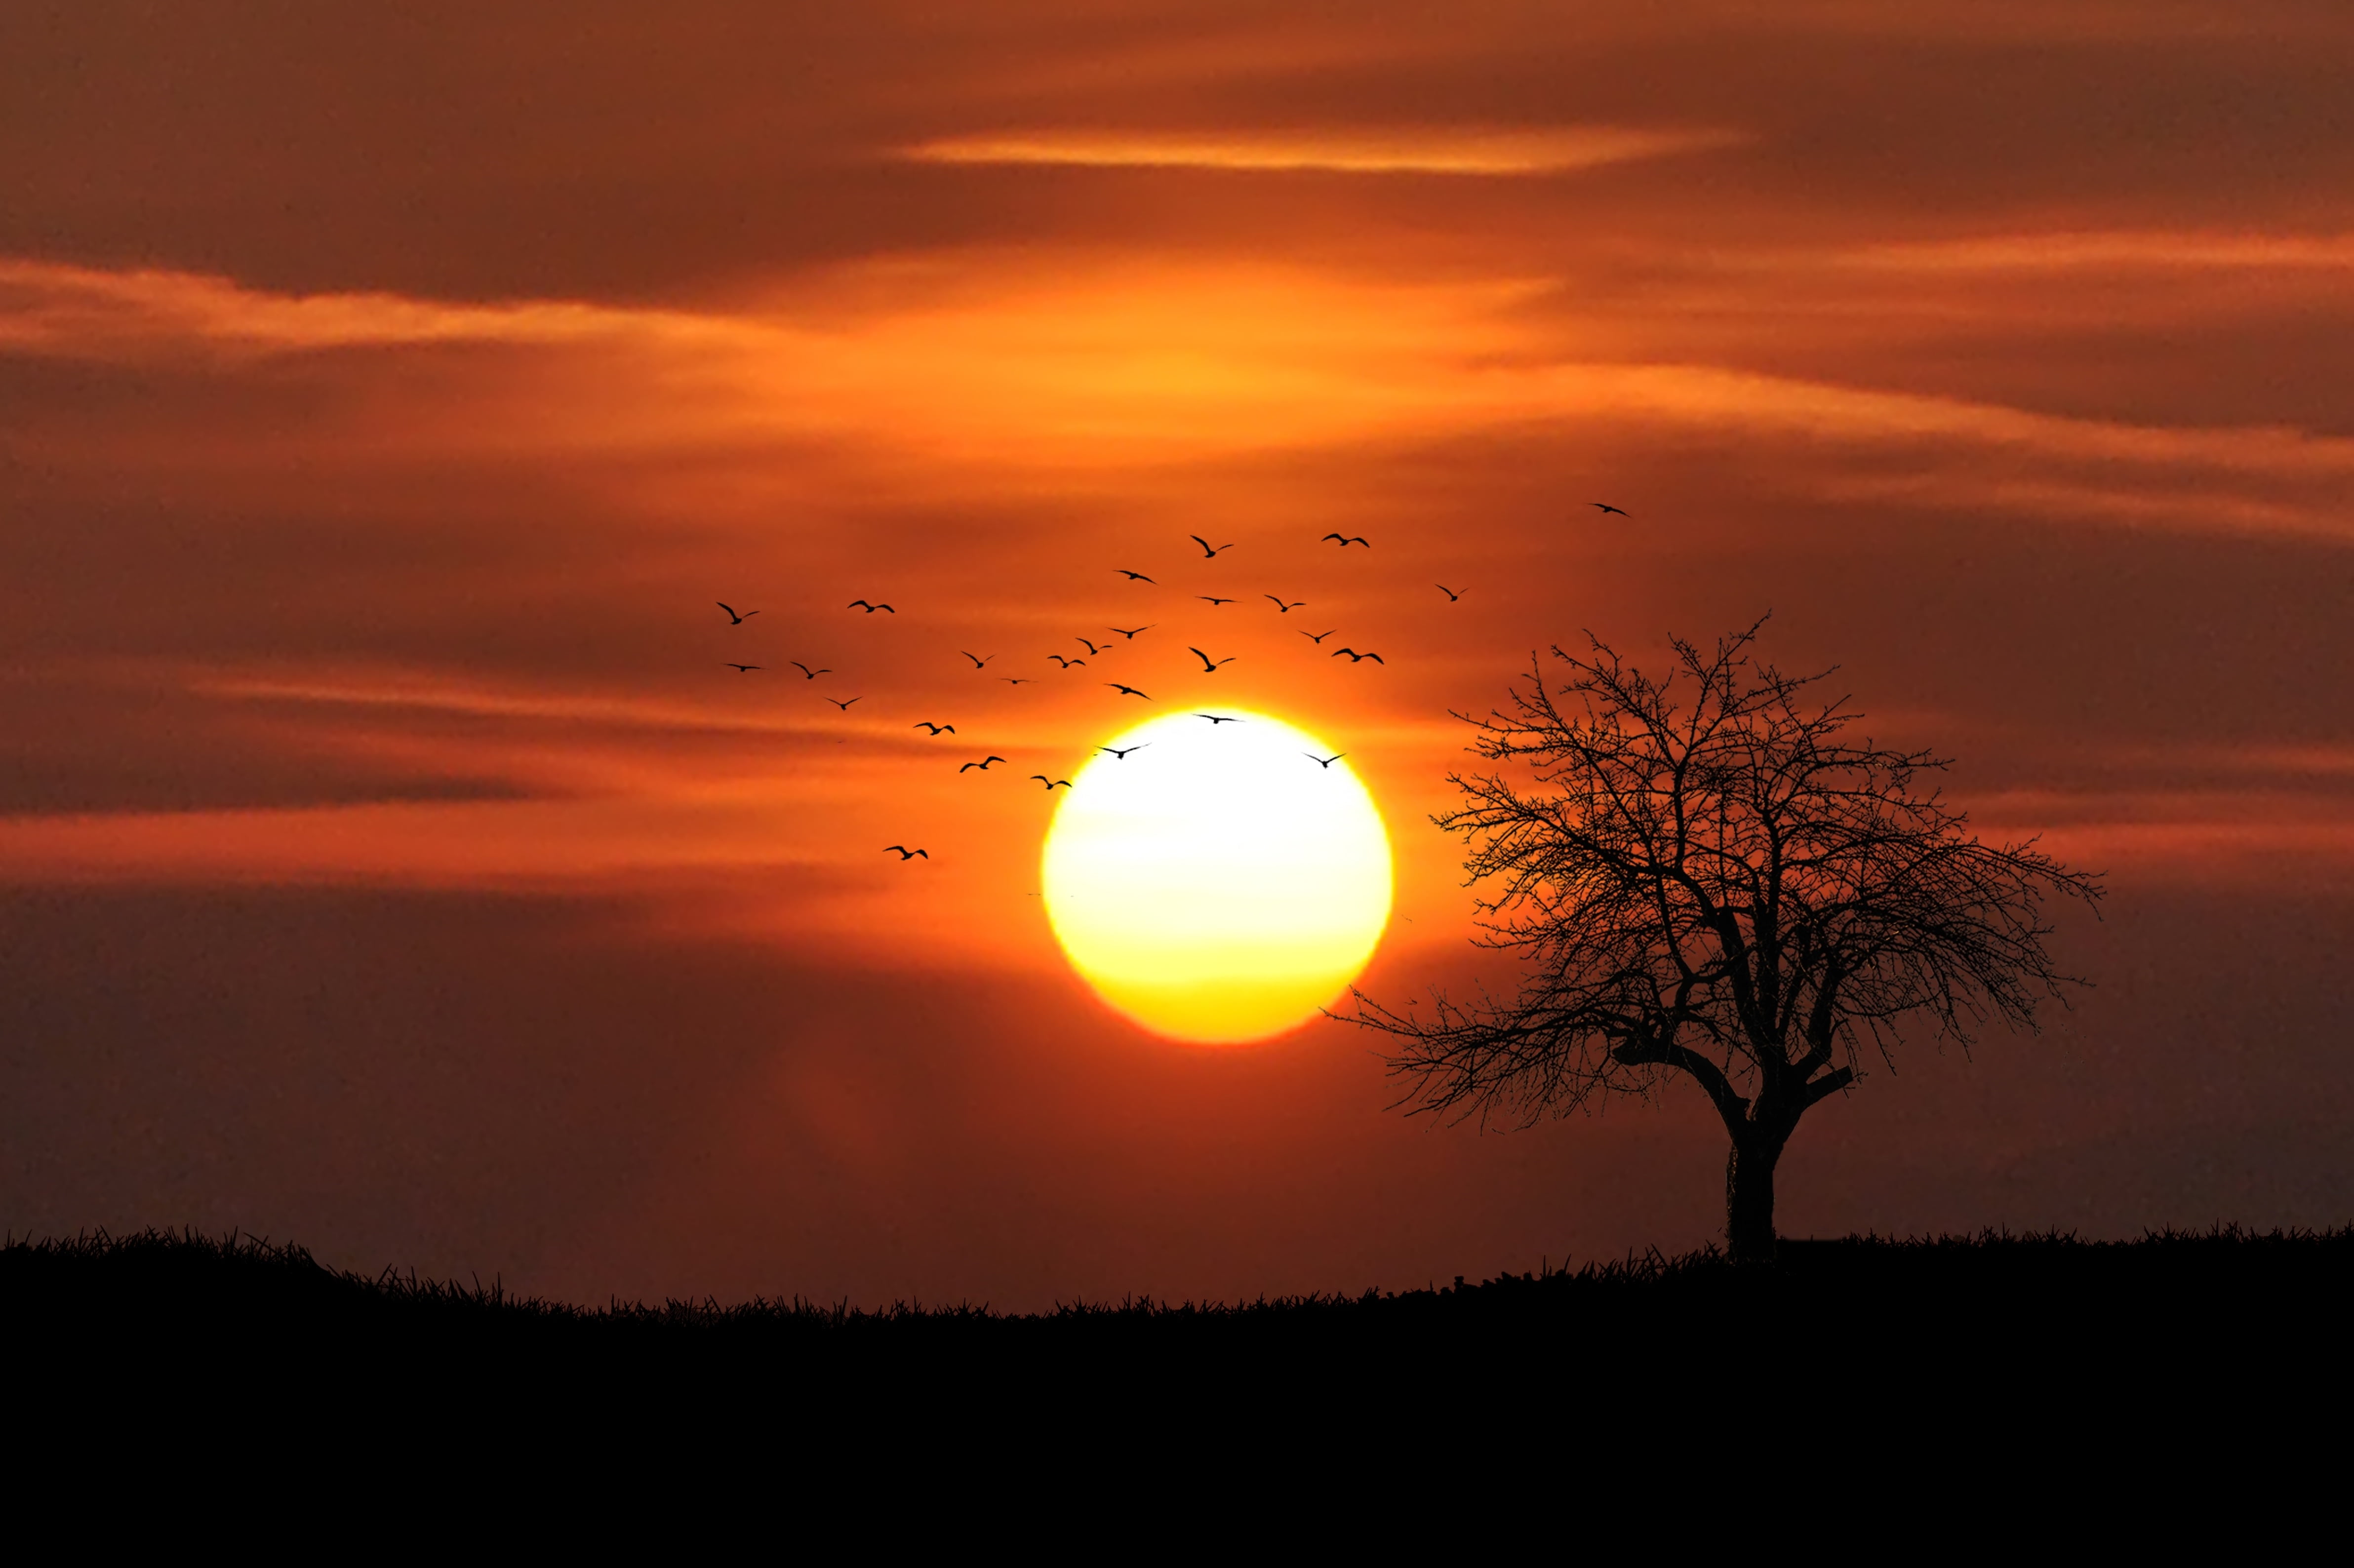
point(1219, 883)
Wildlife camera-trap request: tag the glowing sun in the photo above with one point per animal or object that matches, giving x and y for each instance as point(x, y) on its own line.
point(1217, 883)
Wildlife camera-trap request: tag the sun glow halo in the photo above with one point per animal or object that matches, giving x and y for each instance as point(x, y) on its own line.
point(1217, 884)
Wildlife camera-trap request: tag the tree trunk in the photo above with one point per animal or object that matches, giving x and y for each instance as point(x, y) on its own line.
point(1749, 1196)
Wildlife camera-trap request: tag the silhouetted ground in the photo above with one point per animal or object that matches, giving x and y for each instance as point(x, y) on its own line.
point(2225, 1304)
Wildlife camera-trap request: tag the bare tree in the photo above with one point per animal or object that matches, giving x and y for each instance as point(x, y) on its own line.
point(1706, 878)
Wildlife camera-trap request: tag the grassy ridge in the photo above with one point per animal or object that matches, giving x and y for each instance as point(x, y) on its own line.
point(165, 1277)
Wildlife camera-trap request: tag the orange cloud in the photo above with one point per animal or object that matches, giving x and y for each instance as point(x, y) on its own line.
point(1435, 150)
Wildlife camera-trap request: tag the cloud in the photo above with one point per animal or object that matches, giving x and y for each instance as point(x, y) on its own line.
point(1387, 151)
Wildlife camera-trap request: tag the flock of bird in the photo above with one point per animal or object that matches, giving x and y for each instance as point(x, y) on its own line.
point(1066, 662)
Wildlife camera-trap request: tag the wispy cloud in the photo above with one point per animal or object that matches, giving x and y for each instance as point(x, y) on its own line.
point(1427, 151)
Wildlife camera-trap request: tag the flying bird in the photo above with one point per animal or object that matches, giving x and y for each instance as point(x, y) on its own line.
point(1066, 664)
point(935, 728)
point(1346, 542)
point(1124, 632)
point(1017, 681)
point(1357, 658)
point(1607, 507)
point(1121, 753)
point(1089, 646)
point(1208, 551)
point(1130, 691)
point(982, 764)
point(905, 852)
point(734, 618)
point(806, 671)
point(1323, 761)
point(1214, 602)
point(844, 706)
point(746, 669)
point(1218, 718)
point(869, 608)
point(1209, 665)
point(1318, 637)
point(1451, 595)
point(1132, 577)
point(1052, 784)
point(977, 659)
point(1281, 608)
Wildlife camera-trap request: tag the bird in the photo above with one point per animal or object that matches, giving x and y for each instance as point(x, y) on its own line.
point(1357, 658)
point(1346, 542)
point(1066, 664)
point(905, 852)
point(1213, 601)
point(982, 764)
point(1281, 608)
point(1017, 681)
point(843, 705)
point(1209, 665)
point(1323, 761)
point(1218, 718)
point(935, 728)
point(746, 669)
point(734, 618)
point(1089, 646)
point(977, 659)
point(1120, 753)
point(1451, 595)
point(1124, 632)
point(805, 669)
point(1052, 784)
point(869, 608)
point(1132, 577)
point(1208, 551)
point(1607, 507)
point(1130, 691)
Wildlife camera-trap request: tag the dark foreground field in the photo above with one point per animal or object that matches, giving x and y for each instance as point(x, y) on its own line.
point(2198, 1312)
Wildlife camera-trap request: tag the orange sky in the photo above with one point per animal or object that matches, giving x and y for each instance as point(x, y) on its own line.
point(388, 861)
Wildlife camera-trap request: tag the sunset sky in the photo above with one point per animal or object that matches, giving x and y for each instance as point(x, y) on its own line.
point(388, 861)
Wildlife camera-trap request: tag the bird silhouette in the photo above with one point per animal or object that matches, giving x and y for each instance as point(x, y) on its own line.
point(1132, 577)
point(1605, 507)
point(1089, 646)
point(844, 705)
point(1209, 665)
point(734, 617)
point(1213, 601)
point(1066, 664)
point(1052, 784)
point(1346, 542)
point(1017, 681)
point(806, 671)
point(977, 659)
point(935, 728)
point(1218, 718)
point(745, 669)
point(1130, 691)
point(869, 608)
point(1451, 595)
point(1121, 753)
point(982, 764)
point(1318, 637)
point(905, 852)
point(1357, 658)
point(1208, 550)
point(1124, 632)
point(1282, 608)
point(1323, 761)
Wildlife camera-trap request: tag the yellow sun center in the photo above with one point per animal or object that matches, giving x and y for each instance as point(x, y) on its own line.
point(1219, 883)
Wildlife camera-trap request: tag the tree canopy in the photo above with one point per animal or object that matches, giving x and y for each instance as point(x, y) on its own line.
point(1704, 875)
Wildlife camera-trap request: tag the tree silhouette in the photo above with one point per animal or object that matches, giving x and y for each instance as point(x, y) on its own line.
point(1704, 877)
